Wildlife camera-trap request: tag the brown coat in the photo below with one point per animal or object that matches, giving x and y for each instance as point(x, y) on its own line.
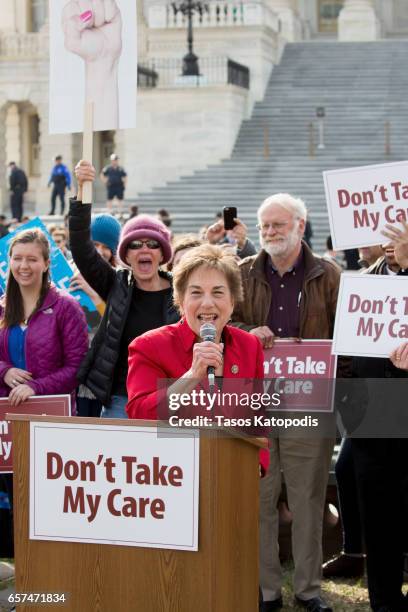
point(317, 304)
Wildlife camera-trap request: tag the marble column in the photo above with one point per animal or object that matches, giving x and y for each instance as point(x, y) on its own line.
point(13, 134)
point(291, 27)
point(358, 21)
point(8, 16)
point(142, 34)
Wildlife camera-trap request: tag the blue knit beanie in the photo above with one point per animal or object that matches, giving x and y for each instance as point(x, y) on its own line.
point(106, 229)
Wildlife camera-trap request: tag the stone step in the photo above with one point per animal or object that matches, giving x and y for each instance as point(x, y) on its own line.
point(361, 86)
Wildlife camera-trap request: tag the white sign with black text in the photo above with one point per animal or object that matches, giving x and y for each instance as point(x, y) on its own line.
point(371, 316)
point(113, 484)
point(362, 200)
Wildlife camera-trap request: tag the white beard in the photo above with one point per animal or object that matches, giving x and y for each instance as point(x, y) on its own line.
point(282, 247)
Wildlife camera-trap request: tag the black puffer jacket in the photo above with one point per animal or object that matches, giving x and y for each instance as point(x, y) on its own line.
point(115, 287)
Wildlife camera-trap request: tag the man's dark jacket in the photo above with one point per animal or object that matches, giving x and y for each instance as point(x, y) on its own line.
point(318, 296)
point(18, 180)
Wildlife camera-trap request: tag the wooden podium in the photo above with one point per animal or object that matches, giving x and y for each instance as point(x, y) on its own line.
point(221, 577)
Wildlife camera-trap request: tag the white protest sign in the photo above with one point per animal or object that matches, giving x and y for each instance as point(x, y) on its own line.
point(362, 200)
point(112, 484)
point(93, 58)
point(371, 316)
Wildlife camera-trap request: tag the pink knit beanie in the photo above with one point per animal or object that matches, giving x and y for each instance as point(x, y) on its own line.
point(142, 227)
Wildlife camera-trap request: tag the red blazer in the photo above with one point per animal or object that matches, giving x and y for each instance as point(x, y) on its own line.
point(167, 352)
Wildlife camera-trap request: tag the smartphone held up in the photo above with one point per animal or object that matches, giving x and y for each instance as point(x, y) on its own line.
point(229, 213)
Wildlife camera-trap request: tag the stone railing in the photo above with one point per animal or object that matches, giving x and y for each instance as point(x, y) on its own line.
point(215, 14)
point(146, 78)
point(216, 70)
point(28, 46)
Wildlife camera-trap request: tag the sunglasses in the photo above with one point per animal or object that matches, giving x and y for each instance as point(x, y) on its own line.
point(135, 245)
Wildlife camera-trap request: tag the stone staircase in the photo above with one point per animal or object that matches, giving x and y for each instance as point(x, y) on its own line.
point(361, 85)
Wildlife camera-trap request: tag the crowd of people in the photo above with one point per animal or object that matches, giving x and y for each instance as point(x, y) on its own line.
point(154, 291)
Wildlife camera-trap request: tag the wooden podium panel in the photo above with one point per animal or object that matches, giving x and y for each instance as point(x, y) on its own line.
point(221, 577)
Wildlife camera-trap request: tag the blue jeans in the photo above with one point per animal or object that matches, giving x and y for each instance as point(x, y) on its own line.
point(116, 409)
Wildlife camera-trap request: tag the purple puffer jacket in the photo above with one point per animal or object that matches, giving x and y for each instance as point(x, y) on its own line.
point(55, 344)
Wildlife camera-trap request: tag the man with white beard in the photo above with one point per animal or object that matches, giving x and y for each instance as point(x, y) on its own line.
point(290, 292)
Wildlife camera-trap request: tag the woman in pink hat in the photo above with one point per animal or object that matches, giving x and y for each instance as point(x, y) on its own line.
point(138, 295)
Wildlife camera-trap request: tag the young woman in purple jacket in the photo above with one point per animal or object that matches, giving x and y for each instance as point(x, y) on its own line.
point(43, 333)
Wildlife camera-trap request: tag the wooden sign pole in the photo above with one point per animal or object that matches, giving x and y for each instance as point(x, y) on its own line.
point(87, 149)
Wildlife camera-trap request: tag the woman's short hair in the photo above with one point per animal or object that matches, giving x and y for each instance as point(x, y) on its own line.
point(214, 258)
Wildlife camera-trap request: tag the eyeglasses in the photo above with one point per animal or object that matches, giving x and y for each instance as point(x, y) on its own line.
point(135, 245)
point(264, 227)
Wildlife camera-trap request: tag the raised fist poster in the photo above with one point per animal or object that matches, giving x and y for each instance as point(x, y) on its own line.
point(93, 58)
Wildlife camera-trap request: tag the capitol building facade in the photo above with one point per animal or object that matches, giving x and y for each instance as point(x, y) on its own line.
point(183, 123)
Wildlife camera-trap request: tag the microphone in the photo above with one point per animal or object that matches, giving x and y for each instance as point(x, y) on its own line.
point(208, 333)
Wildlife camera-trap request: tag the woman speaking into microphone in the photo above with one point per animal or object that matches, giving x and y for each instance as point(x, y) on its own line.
point(207, 284)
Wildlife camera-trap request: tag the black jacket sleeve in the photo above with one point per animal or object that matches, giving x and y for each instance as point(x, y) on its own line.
point(247, 250)
point(95, 270)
